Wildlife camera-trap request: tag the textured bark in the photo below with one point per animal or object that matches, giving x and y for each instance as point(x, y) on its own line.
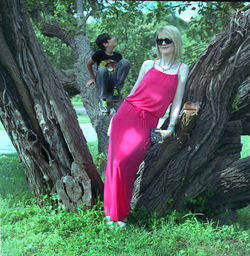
point(242, 107)
point(39, 117)
point(185, 165)
point(232, 185)
point(67, 79)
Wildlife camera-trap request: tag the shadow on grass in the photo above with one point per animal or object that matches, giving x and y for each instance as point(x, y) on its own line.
point(13, 181)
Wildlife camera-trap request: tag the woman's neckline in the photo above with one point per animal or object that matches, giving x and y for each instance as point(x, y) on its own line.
point(165, 73)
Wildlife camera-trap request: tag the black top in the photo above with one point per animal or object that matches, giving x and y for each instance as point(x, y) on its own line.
point(109, 61)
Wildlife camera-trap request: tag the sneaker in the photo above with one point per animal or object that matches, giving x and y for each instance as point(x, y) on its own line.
point(103, 105)
point(116, 95)
point(109, 223)
point(123, 224)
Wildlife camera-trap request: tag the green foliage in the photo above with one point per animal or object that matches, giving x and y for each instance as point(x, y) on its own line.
point(51, 203)
point(236, 99)
point(1, 126)
point(76, 100)
point(11, 174)
point(58, 53)
point(212, 16)
point(100, 160)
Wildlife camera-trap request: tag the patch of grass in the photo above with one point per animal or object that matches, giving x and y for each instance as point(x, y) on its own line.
point(93, 148)
point(83, 118)
point(245, 151)
point(76, 100)
point(12, 179)
point(27, 230)
point(77, 103)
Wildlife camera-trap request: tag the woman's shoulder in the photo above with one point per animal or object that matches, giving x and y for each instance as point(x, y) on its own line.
point(146, 65)
point(184, 69)
point(148, 62)
point(183, 66)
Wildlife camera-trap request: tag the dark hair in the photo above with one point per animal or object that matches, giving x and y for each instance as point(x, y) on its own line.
point(103, 38)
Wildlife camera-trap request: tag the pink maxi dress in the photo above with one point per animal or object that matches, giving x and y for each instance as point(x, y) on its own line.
point(129, 137)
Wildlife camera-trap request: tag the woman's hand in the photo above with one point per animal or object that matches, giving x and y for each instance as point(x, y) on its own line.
point(166, 133)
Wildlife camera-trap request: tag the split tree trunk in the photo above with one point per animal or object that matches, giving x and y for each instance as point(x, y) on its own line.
point(185, 166)
point(39, 117)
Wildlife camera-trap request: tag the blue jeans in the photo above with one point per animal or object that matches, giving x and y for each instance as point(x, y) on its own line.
point(106, 82)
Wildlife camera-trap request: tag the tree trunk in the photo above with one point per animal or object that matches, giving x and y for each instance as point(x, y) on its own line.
point(183, 168)
point(39, 117)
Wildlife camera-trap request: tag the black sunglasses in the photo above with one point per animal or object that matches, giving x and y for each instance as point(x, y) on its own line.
point(166, 40)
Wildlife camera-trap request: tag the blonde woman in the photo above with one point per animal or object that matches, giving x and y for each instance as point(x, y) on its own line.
point(160, 83)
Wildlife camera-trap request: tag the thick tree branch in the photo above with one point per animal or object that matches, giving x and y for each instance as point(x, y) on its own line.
point(51, 28)
point(233, 185)
point(68, 80)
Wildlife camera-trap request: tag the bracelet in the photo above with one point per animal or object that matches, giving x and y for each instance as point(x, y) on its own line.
point(171, 128)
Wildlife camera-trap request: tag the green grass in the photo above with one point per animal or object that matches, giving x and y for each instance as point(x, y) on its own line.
point(93, 148)
point(83, 118)
point(76, 100)
point(27, 230)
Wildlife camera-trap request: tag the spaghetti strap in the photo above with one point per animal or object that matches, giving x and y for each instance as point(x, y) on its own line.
point(154, 64)
point(179, 68)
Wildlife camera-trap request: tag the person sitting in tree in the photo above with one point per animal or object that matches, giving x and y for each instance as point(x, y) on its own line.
point(112, 70)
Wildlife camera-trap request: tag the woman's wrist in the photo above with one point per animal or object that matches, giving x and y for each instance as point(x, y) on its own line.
point(171, 128)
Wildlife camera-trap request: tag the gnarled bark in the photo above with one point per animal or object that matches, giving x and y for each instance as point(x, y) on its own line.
point(68, 81)
point(39, 117)
point(242, 107)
